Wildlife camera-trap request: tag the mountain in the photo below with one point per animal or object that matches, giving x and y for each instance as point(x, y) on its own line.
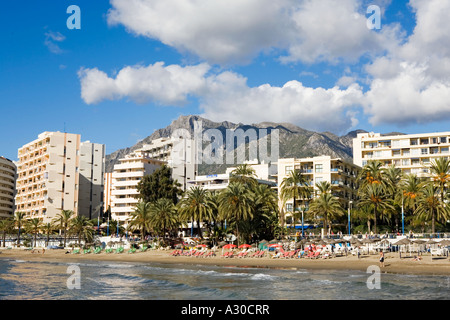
point(293, 140)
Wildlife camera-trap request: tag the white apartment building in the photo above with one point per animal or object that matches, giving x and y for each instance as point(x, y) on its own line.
point(49, 174)
point(339, 173)
point(264, 174)
point(7, 187)
point(413, 153)
point(179, 154)
point(124, 180)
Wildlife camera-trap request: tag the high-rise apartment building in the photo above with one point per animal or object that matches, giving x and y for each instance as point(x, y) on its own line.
point(413, 153)
point(125, 178)
point(56, 172)
point(179, 154)
point(339, 173)
point(92, 169)
point(7, 187)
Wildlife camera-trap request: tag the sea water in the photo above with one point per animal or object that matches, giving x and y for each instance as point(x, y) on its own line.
point(20, 279)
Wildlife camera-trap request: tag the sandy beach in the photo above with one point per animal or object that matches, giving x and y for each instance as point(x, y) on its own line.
point(393, 263)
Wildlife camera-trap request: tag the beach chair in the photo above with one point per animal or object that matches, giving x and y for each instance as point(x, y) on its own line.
point(119, 250)
point(87, 251)
point(109, 250)
point(132, 250)
point(316, 254)
point(76, 251)
point(98, 250)
point(144, 248)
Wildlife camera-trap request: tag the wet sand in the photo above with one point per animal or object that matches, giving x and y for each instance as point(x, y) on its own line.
point(393, 264)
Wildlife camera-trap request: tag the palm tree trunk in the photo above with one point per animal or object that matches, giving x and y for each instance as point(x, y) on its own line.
point(375, 219)
point(432, 221)
point(199, 229)
point(35, 239)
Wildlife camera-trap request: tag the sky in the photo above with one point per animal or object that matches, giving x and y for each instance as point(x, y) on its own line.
point(134, 66)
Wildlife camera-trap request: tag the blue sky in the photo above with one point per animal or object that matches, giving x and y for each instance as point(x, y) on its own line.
point(136, 65)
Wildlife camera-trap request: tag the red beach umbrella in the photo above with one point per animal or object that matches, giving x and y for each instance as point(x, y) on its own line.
point(244, 246)
point(275, 245)
point(229, 246)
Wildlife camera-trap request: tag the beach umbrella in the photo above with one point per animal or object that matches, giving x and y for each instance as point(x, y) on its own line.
point(229, 246)
point(273, 245)
point(431, 241)
point(402, 242)
point(244, 246)
point(444, 242)
point(201, 245)
point(419, 241)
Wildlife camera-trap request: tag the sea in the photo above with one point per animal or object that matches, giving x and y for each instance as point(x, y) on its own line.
point(102, 280)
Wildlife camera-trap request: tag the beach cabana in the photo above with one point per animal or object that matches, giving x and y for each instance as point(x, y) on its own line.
point(403, 242)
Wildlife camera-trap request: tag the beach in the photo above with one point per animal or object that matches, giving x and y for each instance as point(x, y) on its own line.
point(393, 263)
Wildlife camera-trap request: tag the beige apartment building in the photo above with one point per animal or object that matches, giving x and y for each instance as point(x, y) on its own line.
point(413, 153)
point(56, 172)
point(8, 174)
point(124, 180)
point(339, 173)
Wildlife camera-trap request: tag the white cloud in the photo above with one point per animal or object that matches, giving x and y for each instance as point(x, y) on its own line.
point(214, 30)
point(169, 85)
point(412, 83)
point(51, 41)
point(235, 31)
point(225, 95)
point(310, 108)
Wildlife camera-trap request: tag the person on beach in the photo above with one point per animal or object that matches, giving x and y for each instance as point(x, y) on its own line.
point(381, 259)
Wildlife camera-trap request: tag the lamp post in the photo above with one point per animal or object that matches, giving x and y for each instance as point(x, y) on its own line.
point(303, 230)
point(349, 210)
point(403, 218)
point(107, 228)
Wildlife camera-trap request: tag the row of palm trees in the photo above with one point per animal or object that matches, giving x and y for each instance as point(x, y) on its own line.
point(66, 221)
point(382, 193)
point(245, 207)
point(251, 210)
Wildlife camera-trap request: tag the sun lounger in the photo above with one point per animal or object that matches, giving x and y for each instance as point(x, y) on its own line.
point(119, 250)
point(97, 250)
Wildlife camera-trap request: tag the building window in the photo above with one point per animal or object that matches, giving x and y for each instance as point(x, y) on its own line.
point(288, 169)
point(319, 168)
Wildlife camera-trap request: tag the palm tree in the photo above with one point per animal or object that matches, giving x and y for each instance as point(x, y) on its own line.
point(63, 219)
point(371, 173)
point(33, 226)
point(392, 179)
point(429, 205)
point(195, 206)
point(6, 226)
point(235, 204)
point(375, 195)
point(265, 209)
point(48, 228)
point(440, 174)
point(244, 173)
point(411, 188)
point(164, 215)
point(19, 218)
point(82, 227)
point(294, 186)
point(141, 217)
point(326, 205)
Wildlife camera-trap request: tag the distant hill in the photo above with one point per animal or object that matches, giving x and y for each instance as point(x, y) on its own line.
point(295, 142)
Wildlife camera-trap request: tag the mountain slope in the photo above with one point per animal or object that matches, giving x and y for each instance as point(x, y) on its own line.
point(294, 141)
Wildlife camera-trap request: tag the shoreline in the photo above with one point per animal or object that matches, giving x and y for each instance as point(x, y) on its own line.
point(393, 264)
